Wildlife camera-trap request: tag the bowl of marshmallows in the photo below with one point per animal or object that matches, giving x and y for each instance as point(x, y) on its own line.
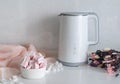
point(33, 65)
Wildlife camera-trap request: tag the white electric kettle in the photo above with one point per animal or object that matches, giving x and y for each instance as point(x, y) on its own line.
point(73, 37)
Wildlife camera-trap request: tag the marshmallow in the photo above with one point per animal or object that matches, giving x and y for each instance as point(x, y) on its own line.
point(15, 78)
point(25, 61)
point(55, 67)
point(50, 67)
point(33, 60)
point(36, 66)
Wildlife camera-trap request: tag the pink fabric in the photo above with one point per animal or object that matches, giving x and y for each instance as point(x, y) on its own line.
point(7, 72)
point(11, 55)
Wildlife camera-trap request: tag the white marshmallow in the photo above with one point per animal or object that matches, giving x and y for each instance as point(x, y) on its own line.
point(50, 67)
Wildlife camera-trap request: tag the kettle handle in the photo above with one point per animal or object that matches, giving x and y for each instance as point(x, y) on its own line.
point(94, 15)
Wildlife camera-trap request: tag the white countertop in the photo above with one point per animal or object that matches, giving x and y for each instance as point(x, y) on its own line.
point(83, 74)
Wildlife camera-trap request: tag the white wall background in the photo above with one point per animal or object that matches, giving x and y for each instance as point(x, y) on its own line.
point(36, 21)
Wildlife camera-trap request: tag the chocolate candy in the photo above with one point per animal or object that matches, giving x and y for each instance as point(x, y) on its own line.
point(99, 52)
point(109, 59)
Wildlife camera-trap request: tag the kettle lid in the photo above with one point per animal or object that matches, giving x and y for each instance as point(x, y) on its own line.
point(74, 14)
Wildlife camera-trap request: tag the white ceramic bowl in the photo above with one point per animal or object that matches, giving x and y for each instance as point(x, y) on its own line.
point(33, 73)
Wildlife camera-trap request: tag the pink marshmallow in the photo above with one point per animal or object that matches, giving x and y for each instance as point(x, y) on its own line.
point(29, 67)
point(36, 66)
point(33, 60)
point(25, 61)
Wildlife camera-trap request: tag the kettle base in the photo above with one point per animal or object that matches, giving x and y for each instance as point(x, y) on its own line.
point(71, 64)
